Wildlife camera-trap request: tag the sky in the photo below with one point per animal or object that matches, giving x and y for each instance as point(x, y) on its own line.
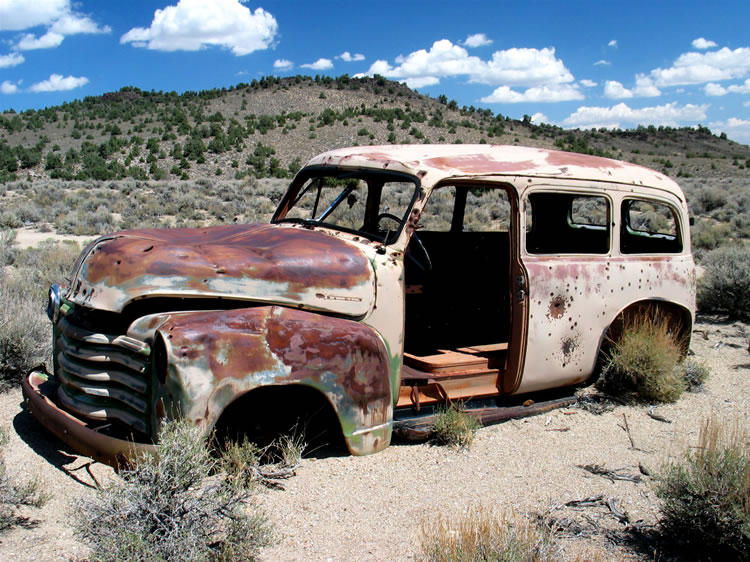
point(575, 64)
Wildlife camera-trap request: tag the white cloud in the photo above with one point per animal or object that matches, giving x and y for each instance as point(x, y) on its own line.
point(537, 94)
point(523, 67)
point(612, 43)
point(320, 64)
point(47, 41)
point(736, 129)
point(539, 118)
point(743, 89)
point(56, 83)
point(283, 64)
point(616, 91)
point(422, 81)
point(713, 89)
point(57, 16)
point(8, 87)
point(746, 104)
point(586, 83)
point(602, 62)
point(702, 43)
point(13, 59)
point(72, 24)
point(696, 68)
point(644, 87)
point(538, 69)
point(16, 15)
point(671, 114)
point(192, 25)
point(346, 56)
point(477, 40)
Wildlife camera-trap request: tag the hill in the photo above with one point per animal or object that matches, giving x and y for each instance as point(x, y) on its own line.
point(270, 127)
point(273, 125)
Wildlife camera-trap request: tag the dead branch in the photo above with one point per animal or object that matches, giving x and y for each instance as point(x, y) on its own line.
point(627, 430)
point(612, 475)
point(656, 416)
point(616, 510)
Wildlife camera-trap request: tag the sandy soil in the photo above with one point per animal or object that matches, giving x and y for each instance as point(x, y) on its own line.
point(28, 237)
point(372, 508)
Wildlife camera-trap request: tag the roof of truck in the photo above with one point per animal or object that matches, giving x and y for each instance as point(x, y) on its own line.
point(433, 163)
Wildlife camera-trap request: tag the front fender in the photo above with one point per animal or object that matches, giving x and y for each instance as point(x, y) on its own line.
point(208, 359)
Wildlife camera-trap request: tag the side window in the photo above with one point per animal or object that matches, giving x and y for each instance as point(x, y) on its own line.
point(566, 223)
point(467, 209)
point(487, 210)
point(649, 227)
point(438, 213)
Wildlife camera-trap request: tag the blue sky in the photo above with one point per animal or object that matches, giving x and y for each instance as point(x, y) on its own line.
point(574, 64)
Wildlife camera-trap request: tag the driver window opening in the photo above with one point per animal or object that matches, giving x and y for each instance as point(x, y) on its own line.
point(373, 205)
point(457, 269)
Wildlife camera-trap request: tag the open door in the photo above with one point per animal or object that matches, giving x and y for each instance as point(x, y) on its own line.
point(465, 297)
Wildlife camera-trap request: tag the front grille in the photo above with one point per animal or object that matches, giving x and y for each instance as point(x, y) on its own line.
point(104, 378)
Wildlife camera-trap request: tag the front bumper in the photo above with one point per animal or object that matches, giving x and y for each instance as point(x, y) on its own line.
point(39, 390)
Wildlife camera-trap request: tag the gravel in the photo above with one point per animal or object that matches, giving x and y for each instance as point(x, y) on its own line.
point(373, 508)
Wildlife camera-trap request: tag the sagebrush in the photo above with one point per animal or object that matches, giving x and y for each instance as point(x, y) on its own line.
point(725, 285)
point(705, 494)
point(25, 331)
point(177, 506)
point(481, 533)
point(642, 362)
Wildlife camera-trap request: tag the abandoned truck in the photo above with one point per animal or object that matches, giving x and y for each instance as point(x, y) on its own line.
point(390, 279)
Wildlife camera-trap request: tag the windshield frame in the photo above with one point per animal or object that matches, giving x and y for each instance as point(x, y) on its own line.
point(295, 191)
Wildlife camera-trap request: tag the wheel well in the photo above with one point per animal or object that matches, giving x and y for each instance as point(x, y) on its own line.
point(268, 412)
point(679, 319)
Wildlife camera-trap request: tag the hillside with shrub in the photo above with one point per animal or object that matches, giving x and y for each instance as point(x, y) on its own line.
point(271, 127)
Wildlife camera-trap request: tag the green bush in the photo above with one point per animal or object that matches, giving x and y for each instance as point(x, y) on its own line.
point(483, 534)
point(642, 364)
point(706, 494)
point(454, 427)
point(725, 285)
point(174, 507)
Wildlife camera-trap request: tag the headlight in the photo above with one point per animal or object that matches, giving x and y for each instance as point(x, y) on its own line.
point(53, 304)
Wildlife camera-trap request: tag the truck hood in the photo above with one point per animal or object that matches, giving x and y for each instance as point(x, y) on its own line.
point(265, 263)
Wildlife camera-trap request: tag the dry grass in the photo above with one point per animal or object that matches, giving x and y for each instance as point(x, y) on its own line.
point(13, 496)
point(481, 533)
point(706, 494)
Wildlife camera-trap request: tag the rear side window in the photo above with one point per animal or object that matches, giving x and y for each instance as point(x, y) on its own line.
point(564, 223)
point(649, 227)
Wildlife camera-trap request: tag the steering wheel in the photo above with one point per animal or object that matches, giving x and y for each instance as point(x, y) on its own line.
point(425, 264)
point(390, 216)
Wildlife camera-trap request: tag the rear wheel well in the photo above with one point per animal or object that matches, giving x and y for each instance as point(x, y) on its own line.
point(679, 319)
point(268, 412)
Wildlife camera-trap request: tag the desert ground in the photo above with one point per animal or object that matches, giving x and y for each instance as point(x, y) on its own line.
point(341, 507)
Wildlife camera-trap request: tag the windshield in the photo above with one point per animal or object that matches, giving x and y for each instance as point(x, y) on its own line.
point(373, 204)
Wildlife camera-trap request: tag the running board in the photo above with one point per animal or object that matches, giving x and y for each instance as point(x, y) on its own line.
point(420, 428)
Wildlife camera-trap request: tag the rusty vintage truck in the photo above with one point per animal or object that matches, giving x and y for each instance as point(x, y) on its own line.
point(390, 279)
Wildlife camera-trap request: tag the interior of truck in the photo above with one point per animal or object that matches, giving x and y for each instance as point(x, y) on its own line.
point(457, 273)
